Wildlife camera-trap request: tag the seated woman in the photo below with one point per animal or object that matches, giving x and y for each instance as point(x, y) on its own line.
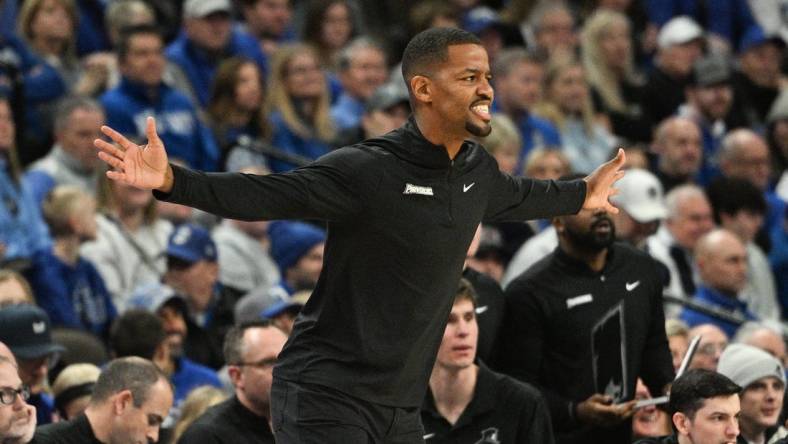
point(615, 86)
point(130, 242)
point(22, 229)
point(298, 106)
point(567, 104)
point(236, 115)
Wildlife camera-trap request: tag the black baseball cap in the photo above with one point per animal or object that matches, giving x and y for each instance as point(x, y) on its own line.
point(27, 331)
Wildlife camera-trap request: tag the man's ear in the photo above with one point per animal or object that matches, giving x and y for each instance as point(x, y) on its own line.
point(122, 401)
point(422, 88)
point(682, 423)
point(234, 372)
point(558, 224)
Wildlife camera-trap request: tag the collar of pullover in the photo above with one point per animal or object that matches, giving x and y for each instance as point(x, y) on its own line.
point(409, 144)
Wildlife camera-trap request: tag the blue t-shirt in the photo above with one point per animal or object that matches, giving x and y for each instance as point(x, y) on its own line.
point(73, 296)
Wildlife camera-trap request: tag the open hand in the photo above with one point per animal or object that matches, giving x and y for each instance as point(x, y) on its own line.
point(144, 167)
point(600, 184)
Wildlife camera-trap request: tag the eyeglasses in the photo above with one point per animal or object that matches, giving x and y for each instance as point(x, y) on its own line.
point(711, 348)
point(263, 363)
point(8, 394)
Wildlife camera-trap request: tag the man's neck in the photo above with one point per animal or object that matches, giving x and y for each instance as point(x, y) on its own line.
point(452, 390)
point(752, 432)
point(100, 423)
point(594, 259)
point(66, 248)
point(432, 128)
point(261, 411)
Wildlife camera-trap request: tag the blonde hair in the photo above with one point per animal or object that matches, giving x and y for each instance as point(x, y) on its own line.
point(58, 207)
point(549, 109)
point(9, 275)
point(107, 203)
point(676, 327)
point(28, 13)
point(598, 73)
point(278, 99)
point(198, 401)
point(537, 156)
point(504, 131)
point(74, 375)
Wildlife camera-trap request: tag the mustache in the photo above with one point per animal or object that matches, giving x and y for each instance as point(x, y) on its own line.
point(483, 99)
point(600, 219)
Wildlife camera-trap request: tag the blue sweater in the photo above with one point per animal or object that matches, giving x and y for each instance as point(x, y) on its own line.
point(716, 299)
point(347, 112)
point(72, 296)
point(22, 229)
point(191, 375)
point(91, 35)
point(200, 67)
point(287, 140)
point(41, 84)
point(186, 138)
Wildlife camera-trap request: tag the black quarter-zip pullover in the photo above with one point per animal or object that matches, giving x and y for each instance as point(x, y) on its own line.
point(400, 217)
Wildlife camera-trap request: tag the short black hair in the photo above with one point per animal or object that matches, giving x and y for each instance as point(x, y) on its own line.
point(233, 340)
point(729, 195)
point(134, 374)
point(431, 47)
point(127, 33)
point(136, 332)
point(692, 389)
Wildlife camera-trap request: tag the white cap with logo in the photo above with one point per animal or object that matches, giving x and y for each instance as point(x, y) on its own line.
point(640, 195)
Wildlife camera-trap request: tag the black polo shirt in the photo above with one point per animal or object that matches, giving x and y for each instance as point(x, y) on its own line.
point(228, 422)
point(502, 411)
point(76, 431)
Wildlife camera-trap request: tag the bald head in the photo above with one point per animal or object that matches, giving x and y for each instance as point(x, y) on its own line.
point(745, 155)
point(722, 261)
point(689, 215)
point(713, 341)
point(678, 144)
point(766, 337)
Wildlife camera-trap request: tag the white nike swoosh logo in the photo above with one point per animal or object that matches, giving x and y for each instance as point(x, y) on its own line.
point(428, 436)
point(465, 188)
point(632, 286)
point(480, 310)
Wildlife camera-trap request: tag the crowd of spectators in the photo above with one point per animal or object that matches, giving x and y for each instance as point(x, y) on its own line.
point(106, 294)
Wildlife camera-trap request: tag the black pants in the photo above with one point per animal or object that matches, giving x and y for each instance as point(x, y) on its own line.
point(310, 414)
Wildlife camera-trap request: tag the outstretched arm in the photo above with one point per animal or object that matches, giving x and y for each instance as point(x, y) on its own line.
point(600, 184)
point(144, 167)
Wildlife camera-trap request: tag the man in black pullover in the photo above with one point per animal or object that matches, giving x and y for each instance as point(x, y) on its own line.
point(401, 211)
point(582, 325)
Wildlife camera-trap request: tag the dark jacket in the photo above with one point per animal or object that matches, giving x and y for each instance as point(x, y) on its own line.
point(400, 215)
point(75, 431)
point(551, 311)
point(228, 422)
point(503, 411)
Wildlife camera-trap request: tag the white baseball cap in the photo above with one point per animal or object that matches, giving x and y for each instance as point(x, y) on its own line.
point(204, 8)
point(640, 195)
point(677, 31)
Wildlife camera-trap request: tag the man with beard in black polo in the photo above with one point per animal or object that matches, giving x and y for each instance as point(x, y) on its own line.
point(582, 325)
